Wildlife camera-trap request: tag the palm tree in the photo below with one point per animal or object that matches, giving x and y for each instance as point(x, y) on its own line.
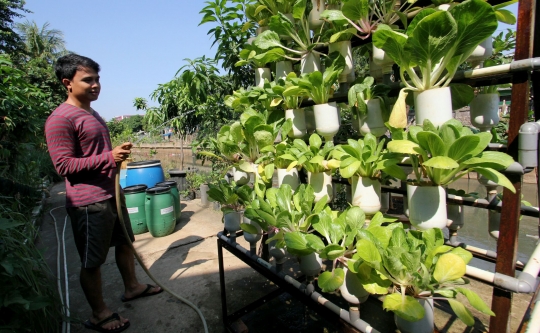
point(42, 42)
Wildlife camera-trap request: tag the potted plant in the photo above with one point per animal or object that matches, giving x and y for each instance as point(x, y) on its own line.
point(369, 106)
point(439, 156)
point(419, 268)
point(320, 86)
point(298, 32)
point(484, 108)
point(233, 199)
point(256, 16)
point(279, 159)
point(363, 161)
point(292, 105)
point(434, 45)
point(259, 60)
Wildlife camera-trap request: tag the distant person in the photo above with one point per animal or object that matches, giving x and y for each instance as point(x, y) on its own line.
point(81, 151)
point(168, 134)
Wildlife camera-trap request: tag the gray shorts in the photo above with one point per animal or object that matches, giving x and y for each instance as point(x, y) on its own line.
point(96, 228)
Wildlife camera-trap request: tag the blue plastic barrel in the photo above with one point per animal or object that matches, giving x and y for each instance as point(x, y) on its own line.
point(148, 173)
point(123, 178)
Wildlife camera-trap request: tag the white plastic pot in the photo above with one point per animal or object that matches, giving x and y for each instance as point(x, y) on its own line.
point(288, 177)
point(427, 206)
point(373, 122)
point(279, 254)
point(326, 120)
point(322, 185)
point(433, 104)
point(252, 238)
point(240, 177)
point(298, 117)
point(366, 194)
point(283, 68)
point(485, 111)
point(232, 221)
point(310, 62)
point(344, 48)
point(311, 264)
point(314, 19)
point(261, 74)
point(483, 51)
point(424, 325)
point(352, 290)
point(381, 59)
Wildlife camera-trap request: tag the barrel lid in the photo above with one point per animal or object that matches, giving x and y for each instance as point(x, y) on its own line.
point(143, 164)
point(177, 173)
point(158, 190)
point(169, 183)
point(135, 189)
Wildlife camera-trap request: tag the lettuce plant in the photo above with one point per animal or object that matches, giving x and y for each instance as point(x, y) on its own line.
point(231, 197)
point(319, 86)
point(441, 156)
point(313, 158)
point(408, 265)
point(290, 101)
point(365, 158)
point(258, 58)
point(365, 91)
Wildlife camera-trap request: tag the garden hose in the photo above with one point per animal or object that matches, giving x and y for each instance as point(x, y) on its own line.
point(121, 218)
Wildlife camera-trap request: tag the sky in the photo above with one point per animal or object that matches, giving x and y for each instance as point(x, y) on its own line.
point(139, 44)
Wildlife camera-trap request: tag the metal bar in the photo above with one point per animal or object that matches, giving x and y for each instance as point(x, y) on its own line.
point(222, 285)
point(253, 305)
point(508, 236)
point(524, 325)
point(292, 290)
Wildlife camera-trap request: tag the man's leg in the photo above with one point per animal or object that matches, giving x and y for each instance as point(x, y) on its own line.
point(90, 279)
point(126, 265)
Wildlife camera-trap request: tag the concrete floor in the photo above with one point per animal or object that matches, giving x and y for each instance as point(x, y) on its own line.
point(186, 262)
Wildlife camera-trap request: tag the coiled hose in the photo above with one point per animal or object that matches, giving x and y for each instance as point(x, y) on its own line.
point(121, 218)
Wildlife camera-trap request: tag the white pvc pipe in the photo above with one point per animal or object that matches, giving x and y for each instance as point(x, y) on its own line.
point(533, 326)
point(533, 265)
point(66, 280)
point(480, 274)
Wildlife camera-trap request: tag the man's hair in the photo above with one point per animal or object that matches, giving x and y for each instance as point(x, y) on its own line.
point(67, 66)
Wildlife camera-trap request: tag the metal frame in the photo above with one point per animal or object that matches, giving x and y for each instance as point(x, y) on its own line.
point(278, 278)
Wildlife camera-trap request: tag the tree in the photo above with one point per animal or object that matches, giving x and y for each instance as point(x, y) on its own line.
point(194, 100)
point(10, 41)
point(41, 42)
point(229, 36)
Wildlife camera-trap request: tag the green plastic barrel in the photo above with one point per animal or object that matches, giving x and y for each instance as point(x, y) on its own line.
point(135, 203)
point(176, 196)
point(159, 209)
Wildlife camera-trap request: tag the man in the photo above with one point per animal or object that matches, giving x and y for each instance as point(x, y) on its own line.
point(81, 151)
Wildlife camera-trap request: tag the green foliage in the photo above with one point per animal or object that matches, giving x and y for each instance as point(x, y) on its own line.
point(417, 265)
point(367, 158)
point(230, 196)
point(29, 301)
point(449, 152)
point(314, 158)
point(364, 91)
point(437, 42)
point(229, 35)
point(10, 41)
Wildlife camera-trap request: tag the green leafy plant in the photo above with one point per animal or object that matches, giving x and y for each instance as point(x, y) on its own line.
point(258, 58)
point(364, 91)
point(367, 158)
point(313, 158)
point(231, 197)
point(291, 214)
point(441, 156)
point(319, 86)
point(434, 45)
point(289, 100)
point(417, 265)
point(365, 16)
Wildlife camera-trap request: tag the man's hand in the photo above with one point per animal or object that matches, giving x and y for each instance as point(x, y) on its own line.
point(121, 152)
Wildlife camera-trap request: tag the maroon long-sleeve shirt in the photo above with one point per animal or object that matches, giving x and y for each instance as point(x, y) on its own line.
point(80, 148)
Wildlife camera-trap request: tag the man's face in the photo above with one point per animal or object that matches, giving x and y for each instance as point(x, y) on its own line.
point(85, 85)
